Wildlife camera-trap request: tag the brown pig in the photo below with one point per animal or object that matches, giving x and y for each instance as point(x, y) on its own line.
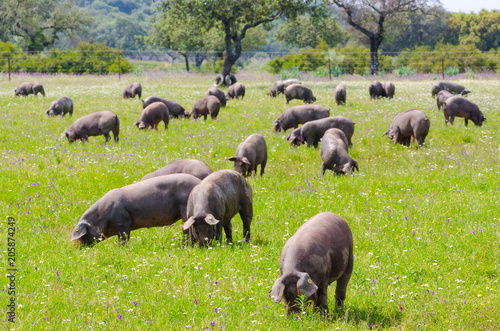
point(319, 253)
point(412, 123)
point(158, 201)
point(299, 91)
point(209, 104)
point(249, 154)
point(334, 153)
point(292, 117)
point(460, 107)
point(152, 115)
point(442, 96)
point(174, 109)
point(312, 132)
point(218, 94)
point(95, 124)
point(29, 88)
point(236, 91)
point(132, 90)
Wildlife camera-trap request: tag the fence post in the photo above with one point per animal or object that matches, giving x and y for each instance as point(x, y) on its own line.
point(8, 60)
point(442, 66)
point(119, 67)
point(329, 68)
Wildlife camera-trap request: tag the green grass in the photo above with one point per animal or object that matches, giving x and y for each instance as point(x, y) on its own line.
point(425, 222)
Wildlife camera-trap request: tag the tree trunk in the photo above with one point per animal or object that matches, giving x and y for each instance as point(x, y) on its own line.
point(198, 58)
point(374, 56)
point(227, 65)
point(187, 61)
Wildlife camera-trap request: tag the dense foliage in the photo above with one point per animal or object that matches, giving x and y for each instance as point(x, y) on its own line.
point(86, 58)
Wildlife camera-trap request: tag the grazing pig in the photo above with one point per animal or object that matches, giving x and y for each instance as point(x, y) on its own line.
point(319, 253)
point(442, 96)
point(61, 106)
point(174, 109)
point(214, 202)
point(340, 94)
point(29, 88)
point(312, 132)
point(412, 123)
point(451, 87)
point(219, 94)
point(376, 90)
point(389, 89)
point(334, 153)
point(236, 91)
point(249, 154)
point(132, 90)
point(196, 168)
point(152, 115)
point(95, 124)
point(279, 86)
point(460, 107)
point(158, 201)
point(299, 91)
point(206, 105)
point(292, 117)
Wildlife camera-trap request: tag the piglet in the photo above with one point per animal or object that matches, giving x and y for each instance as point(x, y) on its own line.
point(249, 154)
point(319, 253)
point(158, 201)
point(95, 124)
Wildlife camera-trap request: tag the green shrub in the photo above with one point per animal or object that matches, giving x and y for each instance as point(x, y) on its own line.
point(86, 58)
point(321, 71)
point(290, 73)
point(405, 71)
point(275, 65)
point(451, 71)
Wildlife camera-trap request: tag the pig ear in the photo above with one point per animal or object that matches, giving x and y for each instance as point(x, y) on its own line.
point(79, 231)
point(210, 220)
point(305, 285)
point(189, 223)
point(245, 160)
point(233, 158)
point(276, 293)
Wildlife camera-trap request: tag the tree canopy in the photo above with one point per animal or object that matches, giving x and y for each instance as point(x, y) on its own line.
point(233, 18)
point(481, 30)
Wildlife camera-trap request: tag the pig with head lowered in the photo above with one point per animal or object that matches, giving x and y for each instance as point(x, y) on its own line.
point(389, 89)
point(158, 201)
point(235, 91)
point(218, 94)
point(95, 124)
point(61, 106)
point(319, 253)
point(152, 115)
point(209, 104)
point(279, 86)
point(442, 96)
point(340, 94)
point(460, 107)
point(249, 154)
point(453, 88)
point(312, 132)
point(29, 88)
point(174, 109)
point(376, 90)
point(299, 91)
point(335, 153)
point(412, 123)
point(193, 167)
point(214, 202)
point(132, 90)
point(292, 117)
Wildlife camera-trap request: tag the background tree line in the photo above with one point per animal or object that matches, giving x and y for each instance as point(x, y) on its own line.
point(219, 31)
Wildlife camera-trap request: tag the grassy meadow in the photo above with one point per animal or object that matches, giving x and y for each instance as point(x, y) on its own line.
point(425, 221)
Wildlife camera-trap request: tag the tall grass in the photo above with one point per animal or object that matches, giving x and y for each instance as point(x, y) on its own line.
point(425, 222)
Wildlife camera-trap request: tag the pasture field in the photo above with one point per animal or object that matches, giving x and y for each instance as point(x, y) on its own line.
point(425, 221)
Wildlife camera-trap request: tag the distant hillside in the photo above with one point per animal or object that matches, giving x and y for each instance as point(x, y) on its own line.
point(117, 22)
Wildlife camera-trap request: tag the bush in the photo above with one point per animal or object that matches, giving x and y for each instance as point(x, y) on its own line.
point(86, 58)
point(405, 71)
point(290, 73)
point(451, 71)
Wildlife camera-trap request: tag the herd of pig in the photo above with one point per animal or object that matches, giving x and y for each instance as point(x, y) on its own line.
point(320, 252)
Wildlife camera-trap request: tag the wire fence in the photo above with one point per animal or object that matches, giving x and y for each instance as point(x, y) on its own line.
point(333, 62)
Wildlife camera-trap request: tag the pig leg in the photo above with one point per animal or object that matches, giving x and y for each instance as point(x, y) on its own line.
point(323, 297)
point(466, 121)
point(246, 214)
point(122, 222)
point(107, 136)
point(452, 119)
point(322, 169)
point(446, 118)
point(228, 229)
point(342, 284)
point(166, 124)
point(262, 167)
point(205, 117)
